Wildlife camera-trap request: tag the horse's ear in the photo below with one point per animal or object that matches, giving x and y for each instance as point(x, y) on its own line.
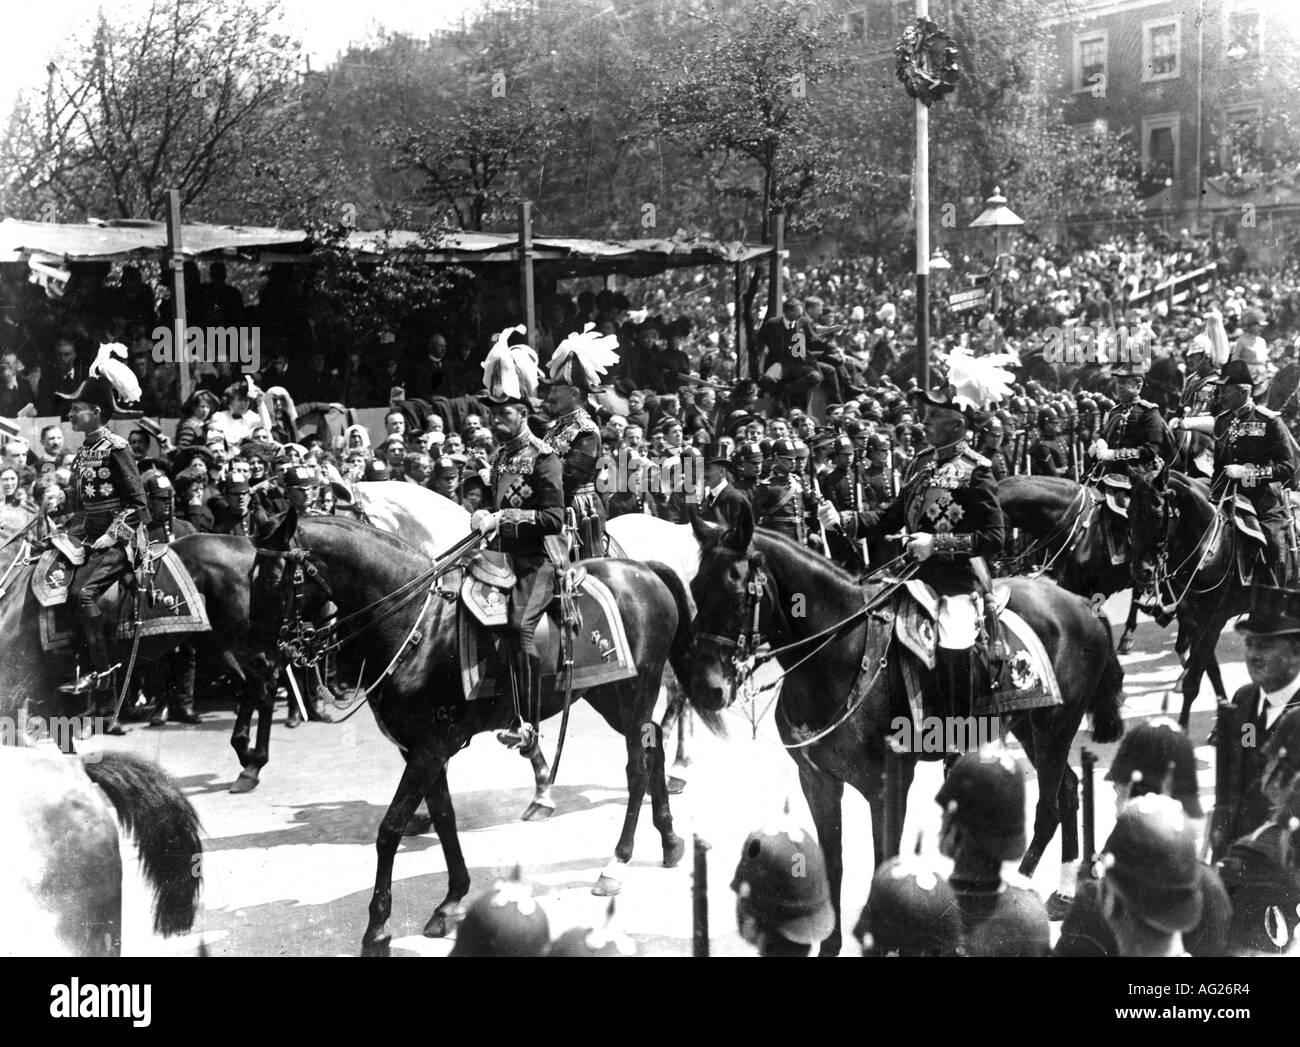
point(282, 537)
point(741, 533)
point(705, 532)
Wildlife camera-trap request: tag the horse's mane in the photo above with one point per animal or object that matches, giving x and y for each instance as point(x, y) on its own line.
point(393, 541)
point(1059, 485)
point(823, 568)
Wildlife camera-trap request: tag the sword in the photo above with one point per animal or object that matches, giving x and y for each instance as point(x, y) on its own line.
point(1089, 759)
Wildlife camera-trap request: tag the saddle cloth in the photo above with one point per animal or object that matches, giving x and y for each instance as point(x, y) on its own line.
point(173, 605)
point(1247, 536)
point(601, 652)
point(1028, 679)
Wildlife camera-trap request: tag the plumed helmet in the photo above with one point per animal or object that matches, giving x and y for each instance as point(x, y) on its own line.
point(1158, 757)
point(510, 370)
point(505, 922)
point(911, 911)
point(985, 793)
point(781, 882)
point(582, 358)
point(109, 383)
point(1151, 859)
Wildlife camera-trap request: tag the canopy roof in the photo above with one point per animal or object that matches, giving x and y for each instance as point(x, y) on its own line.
point(560, 256)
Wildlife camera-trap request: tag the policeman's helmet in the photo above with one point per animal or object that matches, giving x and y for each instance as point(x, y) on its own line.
point(1048, 416)
point(781, 882)
point(505, 922)
point(911, 911)
point(1150, 859)
point(879, 442)
point(985, 795)
point(1157, 757)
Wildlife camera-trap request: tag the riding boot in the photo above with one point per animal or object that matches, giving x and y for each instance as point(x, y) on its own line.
point(527, 690)
point(92, 629)
point(182, 699)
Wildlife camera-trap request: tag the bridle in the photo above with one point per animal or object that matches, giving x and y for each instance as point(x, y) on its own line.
point(745, 659)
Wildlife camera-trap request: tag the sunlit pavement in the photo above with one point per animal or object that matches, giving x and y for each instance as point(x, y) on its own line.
point(288, 868)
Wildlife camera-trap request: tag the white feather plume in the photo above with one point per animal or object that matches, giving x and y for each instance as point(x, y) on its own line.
point(979, 381)
point(595, 353)
point(510, 370)
point(123, 380)
point(1221, 350)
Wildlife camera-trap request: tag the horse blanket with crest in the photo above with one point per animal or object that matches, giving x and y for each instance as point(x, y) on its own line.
point(1028, 680)
point(170, 603)
point(601, 652)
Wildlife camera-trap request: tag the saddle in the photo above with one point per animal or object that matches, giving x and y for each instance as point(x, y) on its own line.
point(1247, 535)
point(599, 650)
point(168, 603)
point(1027, 680)
point(1114, 490)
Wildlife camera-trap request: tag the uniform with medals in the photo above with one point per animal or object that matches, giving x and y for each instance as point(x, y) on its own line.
point(579, 361)
point(108, 500)
point(1135, 432)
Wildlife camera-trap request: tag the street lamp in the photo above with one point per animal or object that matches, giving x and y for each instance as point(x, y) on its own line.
point(996, 216)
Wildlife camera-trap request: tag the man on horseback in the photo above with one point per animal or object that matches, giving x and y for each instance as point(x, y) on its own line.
point(575, 368)
point(527, 490)
point(1253, 450)
point(108, 504)
point(949, 507)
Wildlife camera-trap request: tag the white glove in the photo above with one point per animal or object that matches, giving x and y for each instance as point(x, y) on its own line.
point(105, 540)
point(1236, 472)
point(1105, 456)
point(1096, 447)
point(827, 514)
point(488, 523)
point(921, 546)
point(1175, 423)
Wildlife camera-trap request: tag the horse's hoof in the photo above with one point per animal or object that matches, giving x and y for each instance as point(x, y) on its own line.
point(607, 886)
point(293, 723)
point(537, 812)
point(380, 945)
point(417, 825)
point(676, 786)
point(245, 783)
point(1058, 906)
point(673, 853)
point(1125, 644)
point(831, 946)
point(439, 925)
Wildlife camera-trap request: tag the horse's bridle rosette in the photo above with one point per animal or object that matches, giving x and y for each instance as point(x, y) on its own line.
point(925, 61)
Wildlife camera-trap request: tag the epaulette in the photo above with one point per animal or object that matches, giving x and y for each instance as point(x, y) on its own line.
point(1147, 403)
point(1267, 412)
point(973, 455)
point(115, 441)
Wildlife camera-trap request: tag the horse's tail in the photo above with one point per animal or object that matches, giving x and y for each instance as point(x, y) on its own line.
point(679, 654)
point(166, 830)
point(1108, 695)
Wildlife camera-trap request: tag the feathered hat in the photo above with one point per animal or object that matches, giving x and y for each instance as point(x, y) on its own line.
point(581, 359)
point(974, 382)
point(510, 371)
point(109, 383)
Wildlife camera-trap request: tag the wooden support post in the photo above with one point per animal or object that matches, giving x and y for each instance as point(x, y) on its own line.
point(177, 265)
point(527, 300)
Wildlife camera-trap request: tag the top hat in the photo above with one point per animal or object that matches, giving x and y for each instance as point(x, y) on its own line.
point(1273, 612)
point(716, 454)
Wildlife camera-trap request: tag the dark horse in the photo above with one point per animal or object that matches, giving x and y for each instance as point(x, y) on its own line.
point(1185, 546)
point(815, 693)
point(1063, 520)
point(419, 703)
point(221, 566)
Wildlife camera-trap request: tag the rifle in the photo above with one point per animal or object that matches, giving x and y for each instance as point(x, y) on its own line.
point(1227, 778)
point(858, 505)
point(700, 900)
point(1089, 759)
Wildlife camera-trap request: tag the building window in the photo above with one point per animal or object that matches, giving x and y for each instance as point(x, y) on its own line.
point(1160, 50)
point(1090, 61)
point(1243, 35)
point(1243, 143)
point(1160, 148)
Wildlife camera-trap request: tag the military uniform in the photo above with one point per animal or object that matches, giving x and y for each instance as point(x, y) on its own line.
point(575, 438)
point(1255, 436)
point(107, 497)
point(527, 487)
point(1001, 920)
point(1135, 431)
point(1262, 884)
point(781, 504)
point(1198, 394)
point(1048, 457)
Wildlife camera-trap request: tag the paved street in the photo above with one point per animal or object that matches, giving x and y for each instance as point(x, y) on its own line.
point(289, 867)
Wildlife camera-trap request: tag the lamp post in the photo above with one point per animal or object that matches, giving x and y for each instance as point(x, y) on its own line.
point(996, 216)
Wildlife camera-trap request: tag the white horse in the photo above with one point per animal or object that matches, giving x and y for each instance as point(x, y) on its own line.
point(415, 514)
point(61, 876)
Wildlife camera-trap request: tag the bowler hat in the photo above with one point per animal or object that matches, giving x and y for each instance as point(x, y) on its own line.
point(1273, 612)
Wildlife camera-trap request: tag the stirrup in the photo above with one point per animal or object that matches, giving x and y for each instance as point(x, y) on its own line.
point(91, 681)
point(523, 738)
